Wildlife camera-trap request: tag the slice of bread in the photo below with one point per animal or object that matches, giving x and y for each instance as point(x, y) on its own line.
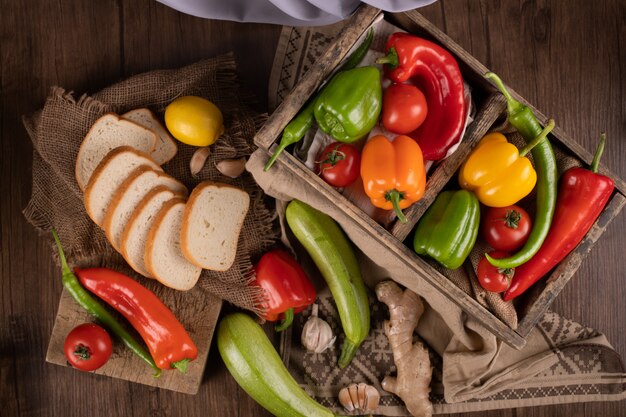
point(129, 194)
point(106, 134)
point(211, 225)
point(135, 235)
point(166, 147)
point(109, 175)
point(164, 259)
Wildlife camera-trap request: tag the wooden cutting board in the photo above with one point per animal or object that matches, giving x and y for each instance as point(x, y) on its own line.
point(196, 309)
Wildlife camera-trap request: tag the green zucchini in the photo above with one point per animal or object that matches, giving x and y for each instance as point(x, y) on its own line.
point(331, 251)
point(254, 363)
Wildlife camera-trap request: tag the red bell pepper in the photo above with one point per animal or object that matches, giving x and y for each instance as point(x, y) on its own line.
point(167, 340)
point(286, 285)
point(582, 196)
point(435, 71)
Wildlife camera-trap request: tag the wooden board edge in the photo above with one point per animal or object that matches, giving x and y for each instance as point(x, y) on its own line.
point(404, 255)
point(122, 358)
point(493, 108)
point(315, 76)
point(568, 266)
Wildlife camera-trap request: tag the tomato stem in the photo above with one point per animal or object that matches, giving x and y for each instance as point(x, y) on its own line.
point(513, 218)
point(82, 352)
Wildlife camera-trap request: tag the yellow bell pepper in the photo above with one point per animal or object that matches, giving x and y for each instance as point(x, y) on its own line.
point(497, 172)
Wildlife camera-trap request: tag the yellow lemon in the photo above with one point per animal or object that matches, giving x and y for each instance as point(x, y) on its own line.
point(194, 120)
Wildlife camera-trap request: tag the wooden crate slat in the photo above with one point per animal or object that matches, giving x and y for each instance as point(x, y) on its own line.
point(568, 266)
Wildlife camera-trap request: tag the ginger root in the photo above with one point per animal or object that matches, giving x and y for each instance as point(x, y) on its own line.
point(412, 384)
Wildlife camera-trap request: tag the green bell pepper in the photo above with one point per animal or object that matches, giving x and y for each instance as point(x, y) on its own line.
point(349, 106)
point(448, 230)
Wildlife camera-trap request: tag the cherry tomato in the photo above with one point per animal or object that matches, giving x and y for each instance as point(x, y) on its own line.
point(87, 347)
point(339, 164)
point(506, 228)
point(404, 108)
point(492, 278)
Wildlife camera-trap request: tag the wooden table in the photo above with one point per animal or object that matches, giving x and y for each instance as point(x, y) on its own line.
point(563, 56)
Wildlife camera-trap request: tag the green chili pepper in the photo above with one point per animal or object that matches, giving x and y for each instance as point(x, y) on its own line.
point(522, 118)
point(86, 301)
point(299, 125)
point(447, 232)
point(349, 106)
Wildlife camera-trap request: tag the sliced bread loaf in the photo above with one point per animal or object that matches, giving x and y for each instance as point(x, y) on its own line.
point(129, 194)
point(164, 259)
point(106, 134)
point(135, 234)
point(166, 147)
point(211, 225)
point(116, 166)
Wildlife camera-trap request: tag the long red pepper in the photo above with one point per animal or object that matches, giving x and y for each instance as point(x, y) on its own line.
point(287, 286)
point(435, 71)
point(582, 196)
point(167, 340)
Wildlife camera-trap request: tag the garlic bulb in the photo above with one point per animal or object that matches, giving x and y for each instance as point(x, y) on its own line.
point(361, 397)
point(317, 336)
point(231, 167)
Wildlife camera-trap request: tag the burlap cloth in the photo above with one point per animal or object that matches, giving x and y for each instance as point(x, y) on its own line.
point(59, 128)
point(562, 362)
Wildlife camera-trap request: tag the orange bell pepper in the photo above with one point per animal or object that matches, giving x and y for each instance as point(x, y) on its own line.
point(393, 173)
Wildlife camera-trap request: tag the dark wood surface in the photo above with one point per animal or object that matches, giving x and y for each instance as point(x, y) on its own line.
point(566, 57)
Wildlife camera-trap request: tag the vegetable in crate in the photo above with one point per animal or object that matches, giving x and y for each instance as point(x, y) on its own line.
point(331, 251)
point(286, 285)
point(505, 228)
point(299, 125)
point(393, 173)
point(339, 164)
point(435, 71)
point(522, 118)
point(350, 104)
point(258, 369)
point(447, 231)
point(86, 301)
point(87, 347)
point(404, 108)
point(492, 278)
point(582, 196)
point(168, 342)
point(497, 172)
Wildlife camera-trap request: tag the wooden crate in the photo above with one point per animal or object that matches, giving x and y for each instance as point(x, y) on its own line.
point(491, 106)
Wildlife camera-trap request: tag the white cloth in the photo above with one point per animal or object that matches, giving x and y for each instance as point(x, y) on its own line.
point(286, 12)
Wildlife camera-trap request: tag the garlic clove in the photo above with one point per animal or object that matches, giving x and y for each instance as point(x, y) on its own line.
point(361, 397)
point(198, 159)
point(232, 168)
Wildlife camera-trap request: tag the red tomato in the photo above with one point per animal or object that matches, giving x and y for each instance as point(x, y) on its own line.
point(492, 278)
point(339, 164)
point(404, 108)
point(506, 228)
point(87, 347)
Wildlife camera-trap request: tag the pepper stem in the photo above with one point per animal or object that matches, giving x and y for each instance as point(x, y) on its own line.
point(286, 322)
point(395, 197)
point(537, 140)
point(390, 59)
point(181, 365)
point(599, 151)
point(513, 105)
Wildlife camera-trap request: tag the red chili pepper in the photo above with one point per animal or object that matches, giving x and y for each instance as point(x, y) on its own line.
point(167, 340)
point(287, 286)
point(582, 196)
point(435, 71)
